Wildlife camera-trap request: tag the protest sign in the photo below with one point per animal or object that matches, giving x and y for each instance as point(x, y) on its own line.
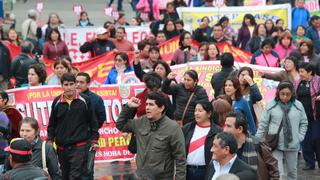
point(235, 14)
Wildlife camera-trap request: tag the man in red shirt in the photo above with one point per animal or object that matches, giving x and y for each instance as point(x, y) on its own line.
point(120, 42)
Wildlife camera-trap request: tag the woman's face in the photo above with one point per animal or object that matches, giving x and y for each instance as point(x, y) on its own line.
point(161, 70)
point(224, 24)
point(285, 95)
point(201, 115)
point(280, 24)
point(289, 65)
point(119, 62)
point(187, 40)
point(188, 82)
point(266, 49)
point(122, 20)
point(304, 49)
point(154, 55)
point(170, 26)
point(286, 42)
point(54, 19)
point(300, 31)
point(84, 17)
point(134, 22)
point(145, 50)
point(59, 70)
point(247, 21)
point(202, 50)
point(13, 36)
point(304, 75)
point(229, 88)
point(262, 31)
point(212, 51)
point(206, 20)
point(241, 77)
point(33, 78)
point(27, 132)
point(269, 25)
point(54, 36)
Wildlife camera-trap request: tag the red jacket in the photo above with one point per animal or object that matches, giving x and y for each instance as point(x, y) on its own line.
point(15, 117)
point(55, 52)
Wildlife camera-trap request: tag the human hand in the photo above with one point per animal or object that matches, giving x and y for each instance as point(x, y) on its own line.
point(134, 102)
point(94, 147)
point(248, 79)
point(171, 75)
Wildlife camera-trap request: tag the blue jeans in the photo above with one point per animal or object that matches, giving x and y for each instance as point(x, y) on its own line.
point(195, 173)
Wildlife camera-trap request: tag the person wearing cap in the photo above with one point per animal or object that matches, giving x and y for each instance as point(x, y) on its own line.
point(20, 160)
point(74, 128)
point(99, 45)
point(29, 26)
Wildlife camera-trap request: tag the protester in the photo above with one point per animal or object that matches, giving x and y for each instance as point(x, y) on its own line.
point(186, 50)
point(258, 36)
point(232, 89)
point(136, 21)
point(170, 13)
point(221, 107)
point(121, 66)
point(99, 45)
point(74, 129)
point(121, 21)
point(300, 15)
point(160, 67)
point(265, 56)
point(280, 24)
point(153, 58)
point(285, 46)
point(249, 89)
point(168, 160)
point(186, 94)
point(199, 136)
point(217, 35)
point(5, 66)
point(307, 51)
point(120, 42)
point(313, 32)
point(238, 126)
point(299, 36)
point(12, 113)
point(213, 52)
point(225, 159)
point(20, 160)
point(290, 72)
point(203, 51)
point(169, 29)
point(60, 67)
point(226, 62)
point(179, 26)
point(161, 37)
point(246, 31)
point(29, 130)
point(54, 22)
point(287, 113)
point(29, 26)
point(308, 93)
point(21, 63)
point(270, 28)
point(13, 43)
point(204, 31)
point(228, 32)
point(84, 20)
point(54, 48)
point(37, 76)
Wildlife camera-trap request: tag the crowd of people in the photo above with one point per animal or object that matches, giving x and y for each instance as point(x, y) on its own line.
point(178, 131)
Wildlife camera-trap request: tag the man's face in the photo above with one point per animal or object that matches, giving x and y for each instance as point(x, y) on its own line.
point(120, 34)
point(81, 84)
point(218, 152)
point(230, 126)
point(69, 88)
point(217, 32)
point(152, 109)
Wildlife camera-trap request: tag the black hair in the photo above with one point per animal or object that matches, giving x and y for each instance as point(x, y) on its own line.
point(120, 27)
point(26, 47)
point(159, 99)
point(179, 21)
point(181, 39)
point(166, 23)
point(164, 64)
point(223, 19)
point(142, 44)
point(228, 139)
point(40, 71)
point(56, 31)
point(294, 60)
point(283, 85)
point(152, 80)
point(252, 20)
point(226, 60)
point(21, 158)
point(69, 77)
point(308, 67)
point(32, 121)
point(193, 75)
point(86, 75)
point(60, 22)
point(267, 42)
point(206, 105)
point(240, 121)
point(125, 57)
point(4, 95)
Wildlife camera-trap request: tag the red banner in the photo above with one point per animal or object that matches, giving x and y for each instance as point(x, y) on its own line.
point(36, 102)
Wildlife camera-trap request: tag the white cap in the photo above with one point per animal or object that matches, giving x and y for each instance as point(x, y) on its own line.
point(101, 31)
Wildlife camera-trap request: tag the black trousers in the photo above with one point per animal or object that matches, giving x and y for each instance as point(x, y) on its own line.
point(73, 162)
point(311, 144)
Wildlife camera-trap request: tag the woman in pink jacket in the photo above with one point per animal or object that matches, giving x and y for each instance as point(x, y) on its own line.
point(285, 46)
point(144, 7)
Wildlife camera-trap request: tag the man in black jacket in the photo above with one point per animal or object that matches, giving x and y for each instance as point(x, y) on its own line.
point(21, 63)
point(225, 160)
point(74, 128)
point(99, 45)
point(5, 63)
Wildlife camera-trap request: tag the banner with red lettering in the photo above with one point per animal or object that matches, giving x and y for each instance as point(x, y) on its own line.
point(36, 102)
point(75, 37)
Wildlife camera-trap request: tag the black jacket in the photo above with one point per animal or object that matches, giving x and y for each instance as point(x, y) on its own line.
point(97, 47)
point(20, 67)
point(188, 131)
point(5, 62)
point(51, 159)
point(254, 44)
point(218, 79)
point(98, 105)
point(239, 168)
point(182, 96)
point(72, 124)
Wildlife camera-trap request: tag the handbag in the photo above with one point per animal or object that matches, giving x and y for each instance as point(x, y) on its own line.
point(272, 139)
point(180, 122)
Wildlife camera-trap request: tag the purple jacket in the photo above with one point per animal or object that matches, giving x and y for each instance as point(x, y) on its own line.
point(243, 37)
point(4, 129)
point(55, 52)
point(314, 91)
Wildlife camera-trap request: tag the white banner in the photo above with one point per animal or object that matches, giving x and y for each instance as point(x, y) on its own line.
point(75, 37)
